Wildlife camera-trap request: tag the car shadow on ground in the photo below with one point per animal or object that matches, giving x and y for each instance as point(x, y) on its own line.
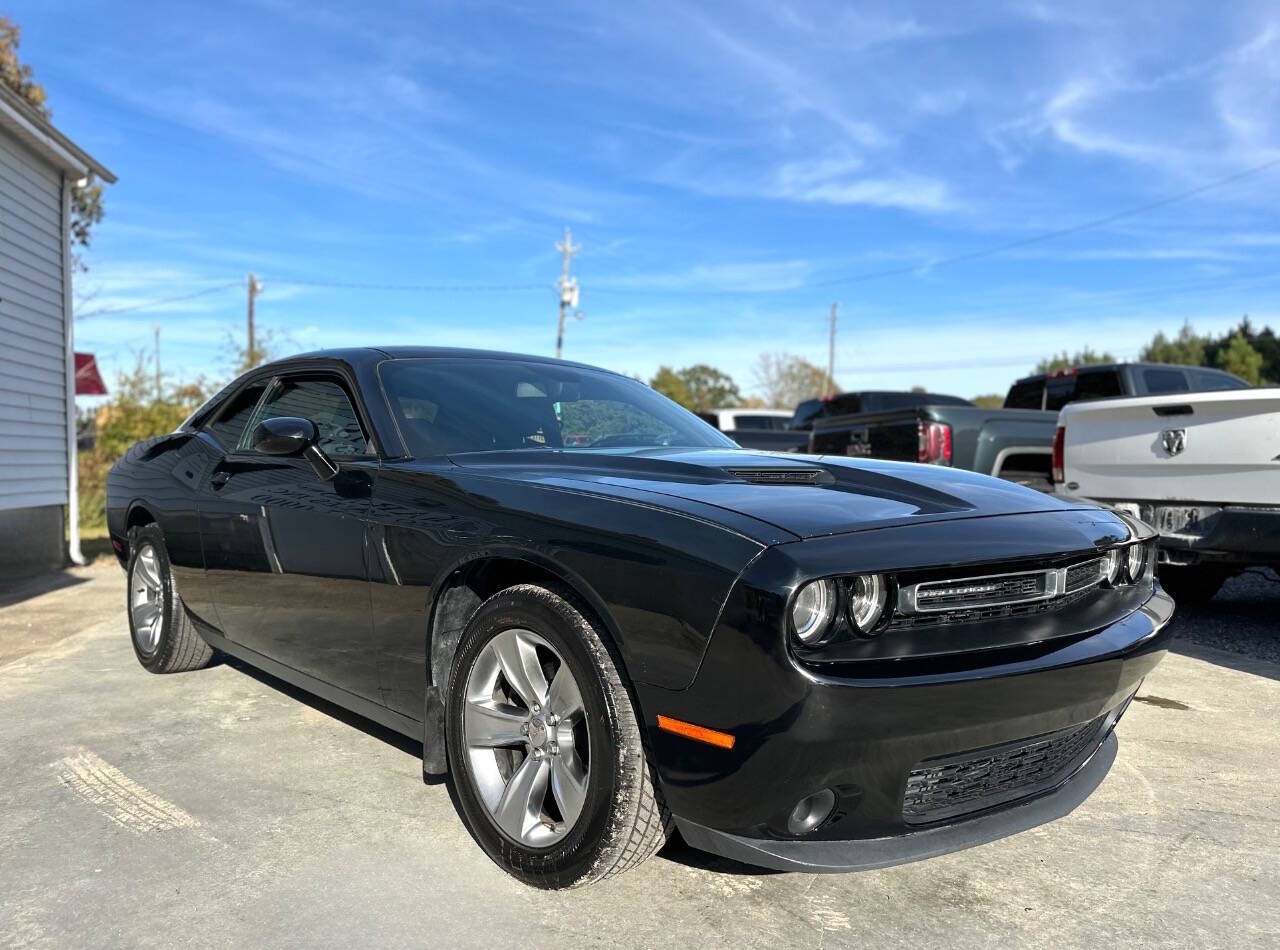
point(1238, 629)
point(676, 850)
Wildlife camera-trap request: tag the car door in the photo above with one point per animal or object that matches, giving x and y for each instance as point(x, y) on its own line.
point(285, 548)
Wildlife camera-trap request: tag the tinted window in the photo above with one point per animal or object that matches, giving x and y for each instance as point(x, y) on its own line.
point(1058, 391)
point(448, 407)
point(234, 416)
point(325, 403)
point(1165, 380)
point(888, 401)
point(805, 413)
point(1025, 395)
point(842, 405)
point(710, 418)
point(1207, 382)
point(1100, 384)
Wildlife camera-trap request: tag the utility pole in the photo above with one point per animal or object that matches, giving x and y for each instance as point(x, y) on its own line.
point(250, 354)
point(831, 351)
point(156, 328)
point(568, 288)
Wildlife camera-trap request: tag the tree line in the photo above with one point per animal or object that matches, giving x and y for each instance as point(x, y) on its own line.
point(1251, 354)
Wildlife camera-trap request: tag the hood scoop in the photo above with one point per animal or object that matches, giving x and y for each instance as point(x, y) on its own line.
point(782, 476)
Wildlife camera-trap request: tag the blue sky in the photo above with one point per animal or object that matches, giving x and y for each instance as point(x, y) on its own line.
point(729, 170)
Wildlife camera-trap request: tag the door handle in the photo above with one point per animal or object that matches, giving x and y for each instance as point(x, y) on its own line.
point(220, 478)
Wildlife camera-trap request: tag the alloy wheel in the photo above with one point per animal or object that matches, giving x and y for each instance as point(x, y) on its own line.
point(146, 599)
point(527, 738)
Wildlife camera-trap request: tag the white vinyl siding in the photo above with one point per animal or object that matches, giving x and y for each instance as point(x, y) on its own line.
point(33, 376)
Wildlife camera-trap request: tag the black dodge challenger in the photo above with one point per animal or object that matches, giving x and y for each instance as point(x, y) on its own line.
point(605, 621)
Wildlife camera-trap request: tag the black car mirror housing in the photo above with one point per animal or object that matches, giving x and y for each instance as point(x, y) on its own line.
point(291, 436)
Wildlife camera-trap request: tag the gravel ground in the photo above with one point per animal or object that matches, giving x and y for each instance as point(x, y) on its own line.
point(1244, 618)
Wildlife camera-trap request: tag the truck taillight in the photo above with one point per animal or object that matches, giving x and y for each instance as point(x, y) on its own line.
point(935, 443)
point(1059, 465)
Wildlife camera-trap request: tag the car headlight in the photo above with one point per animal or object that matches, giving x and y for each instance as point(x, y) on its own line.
point(812, 610)
point(1114, 566)
point(1135, 563)
point(867, 596)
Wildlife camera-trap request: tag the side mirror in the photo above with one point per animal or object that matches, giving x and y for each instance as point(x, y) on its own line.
point(289, 436)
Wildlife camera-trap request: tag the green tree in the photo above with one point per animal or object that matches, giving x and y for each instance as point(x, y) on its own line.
point(697, 387)
point(1186, 349)
point(1239, 357)
point(135, 411)
point(1264, 341)
point(988, 401)
point(1065, 360)
point(785, 380)
point(668, 382)
point(86, 198)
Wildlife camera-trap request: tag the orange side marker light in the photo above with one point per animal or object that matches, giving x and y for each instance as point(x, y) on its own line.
point(698, 733)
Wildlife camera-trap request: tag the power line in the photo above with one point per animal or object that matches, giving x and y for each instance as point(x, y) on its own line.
point(1060, 232)
point(420, 288)
point(156, 303)
point(904, 269)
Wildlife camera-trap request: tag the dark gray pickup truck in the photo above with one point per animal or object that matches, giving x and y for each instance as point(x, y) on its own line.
point(1014, 442)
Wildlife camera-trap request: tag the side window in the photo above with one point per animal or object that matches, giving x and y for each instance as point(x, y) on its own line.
point(1208, 382)
point(232, 419)
point(325, 403)
point(1165, 380)
point(1101, 384)
point(1026, 395)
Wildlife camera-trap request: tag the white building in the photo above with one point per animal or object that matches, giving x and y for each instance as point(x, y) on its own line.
point(38, 166)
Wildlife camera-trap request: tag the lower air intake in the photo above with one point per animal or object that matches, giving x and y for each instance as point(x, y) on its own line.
point(945, 787)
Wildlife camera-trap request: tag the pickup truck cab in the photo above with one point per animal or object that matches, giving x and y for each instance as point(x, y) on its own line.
point(1056, 388)
point(1014, 444)
point(1203, 469)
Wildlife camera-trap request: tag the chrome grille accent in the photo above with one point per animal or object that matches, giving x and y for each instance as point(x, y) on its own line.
point(978, 594)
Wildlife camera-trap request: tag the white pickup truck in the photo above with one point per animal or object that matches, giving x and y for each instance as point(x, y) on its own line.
point(1202, 468)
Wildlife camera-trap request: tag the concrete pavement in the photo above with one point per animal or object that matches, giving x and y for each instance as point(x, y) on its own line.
point(221, 809)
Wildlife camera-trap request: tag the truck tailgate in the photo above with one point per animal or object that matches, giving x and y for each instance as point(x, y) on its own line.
point(1221, 447)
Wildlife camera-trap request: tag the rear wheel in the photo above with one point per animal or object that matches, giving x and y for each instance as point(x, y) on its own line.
point(1192, 586)
point(545, 751)
point(163, 637)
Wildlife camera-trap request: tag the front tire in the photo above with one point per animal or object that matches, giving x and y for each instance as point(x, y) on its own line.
point(164, 639)
point(545, 752)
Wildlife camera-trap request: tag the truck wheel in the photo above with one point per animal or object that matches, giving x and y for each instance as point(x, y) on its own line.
point(1192, 586)
point(545, 752)
point(163, 637)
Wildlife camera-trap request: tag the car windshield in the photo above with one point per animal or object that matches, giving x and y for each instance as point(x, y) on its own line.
point(451, 407)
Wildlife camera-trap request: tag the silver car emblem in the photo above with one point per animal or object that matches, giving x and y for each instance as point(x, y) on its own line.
point(1173, 440)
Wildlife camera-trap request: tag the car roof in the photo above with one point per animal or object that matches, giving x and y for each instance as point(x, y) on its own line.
point(1102, 367)
point(365, 355)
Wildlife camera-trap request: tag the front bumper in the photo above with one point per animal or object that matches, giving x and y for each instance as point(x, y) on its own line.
point(867, 854)
point(798, 731)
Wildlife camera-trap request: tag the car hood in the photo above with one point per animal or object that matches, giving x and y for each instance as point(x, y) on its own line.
point(804, 495)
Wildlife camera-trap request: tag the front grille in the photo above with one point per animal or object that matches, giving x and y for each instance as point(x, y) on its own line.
point(981, 614)
point(945, 787)
point(778, 476)
point(995, 596)
point(943, 595)
point(1086, 574)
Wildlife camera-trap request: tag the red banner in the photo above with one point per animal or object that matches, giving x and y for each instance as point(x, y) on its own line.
point(88, 379)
